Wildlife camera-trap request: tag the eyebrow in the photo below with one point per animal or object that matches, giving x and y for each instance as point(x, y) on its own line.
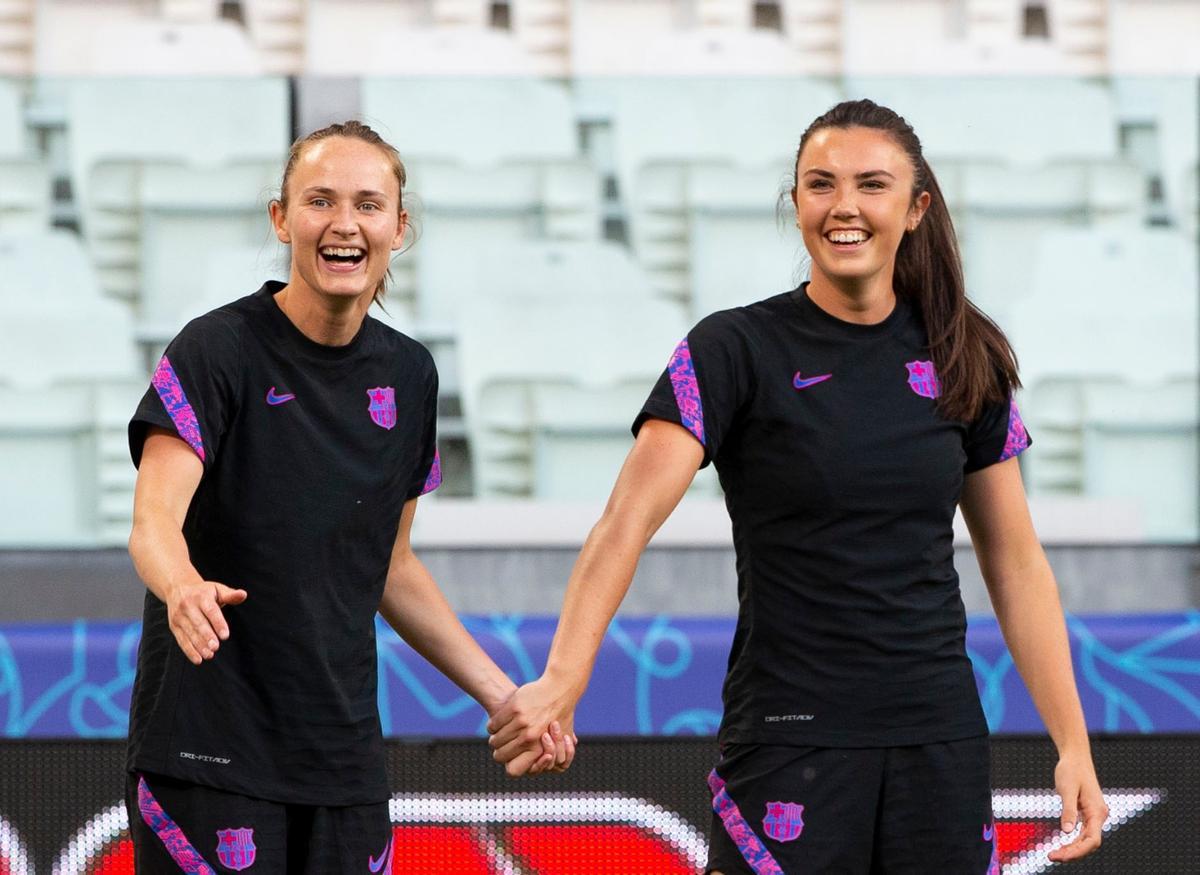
point(866, 174)
point(318, 189)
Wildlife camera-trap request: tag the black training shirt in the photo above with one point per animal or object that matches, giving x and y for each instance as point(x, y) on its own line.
point(841, 480)
point(310, 453)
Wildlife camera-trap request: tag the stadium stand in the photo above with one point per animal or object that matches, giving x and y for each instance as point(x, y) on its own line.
point(578, 357)
point(24, 175)
point(127, 139)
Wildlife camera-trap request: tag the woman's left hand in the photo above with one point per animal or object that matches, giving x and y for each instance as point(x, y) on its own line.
point(1075, 781)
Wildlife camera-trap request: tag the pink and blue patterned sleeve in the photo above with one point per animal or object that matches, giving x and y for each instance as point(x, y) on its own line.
point(1017, 439)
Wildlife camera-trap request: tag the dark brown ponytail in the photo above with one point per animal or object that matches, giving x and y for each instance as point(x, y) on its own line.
point(974, 360)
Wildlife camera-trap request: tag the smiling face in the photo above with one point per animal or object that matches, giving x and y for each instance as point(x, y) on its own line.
point(854, 203)
point(342, 218)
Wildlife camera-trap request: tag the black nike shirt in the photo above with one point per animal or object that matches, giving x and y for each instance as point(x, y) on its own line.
point(310, 453)
point(841, 480)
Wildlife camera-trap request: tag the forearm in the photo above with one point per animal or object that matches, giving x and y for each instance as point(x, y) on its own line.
point(598, 583)
point(160, 554)
point(415, 607)
point(1027, 606)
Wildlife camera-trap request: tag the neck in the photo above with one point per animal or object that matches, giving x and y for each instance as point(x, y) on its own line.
point(330, 321)
point(865, 301)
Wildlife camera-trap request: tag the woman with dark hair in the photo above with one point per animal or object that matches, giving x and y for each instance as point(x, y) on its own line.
point(847, 419)
point(281, 450)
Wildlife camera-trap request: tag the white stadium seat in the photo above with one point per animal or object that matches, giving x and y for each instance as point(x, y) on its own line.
point(552, 373)
point(463, 210)
point(46, 266)
point(476, 122)
point(69, 377)
point(710, 233)
point(996, 118)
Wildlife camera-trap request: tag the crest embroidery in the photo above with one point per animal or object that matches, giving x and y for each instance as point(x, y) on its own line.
point(383, 406)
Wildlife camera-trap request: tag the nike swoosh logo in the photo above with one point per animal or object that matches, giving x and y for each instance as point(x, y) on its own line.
point(274, 399)
point(804, 382)
point(385, 859)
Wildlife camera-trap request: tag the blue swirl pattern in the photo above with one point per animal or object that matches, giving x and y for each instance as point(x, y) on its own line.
point(654, 676)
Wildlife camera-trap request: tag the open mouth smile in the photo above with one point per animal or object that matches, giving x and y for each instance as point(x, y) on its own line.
point(847, 238)
point(342, 258)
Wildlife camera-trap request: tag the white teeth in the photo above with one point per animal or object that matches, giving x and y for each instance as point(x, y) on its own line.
point(847, 236)
point(341, 251)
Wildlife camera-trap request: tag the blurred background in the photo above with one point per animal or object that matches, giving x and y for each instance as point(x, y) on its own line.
point(587, 179)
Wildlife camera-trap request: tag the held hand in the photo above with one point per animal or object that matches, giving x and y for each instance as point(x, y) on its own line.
point(533, 714)
point(1075, 781)
point(194, 615)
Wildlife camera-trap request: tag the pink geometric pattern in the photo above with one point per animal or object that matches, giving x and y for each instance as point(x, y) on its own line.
point(171, 393)
point(434, 480)
point(185, 856)
point(1018, 438)
point(753, 850)
point(687, 390)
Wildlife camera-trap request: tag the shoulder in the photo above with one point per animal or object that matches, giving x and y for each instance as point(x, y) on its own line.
point(217, 333)
point(388, 341)
point(743, 326)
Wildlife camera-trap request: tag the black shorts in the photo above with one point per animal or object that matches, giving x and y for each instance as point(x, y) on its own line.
point(855, 811)
point(181, 827)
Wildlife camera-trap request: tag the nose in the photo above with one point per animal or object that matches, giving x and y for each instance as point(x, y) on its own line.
point(345, 221)
point(846, 205)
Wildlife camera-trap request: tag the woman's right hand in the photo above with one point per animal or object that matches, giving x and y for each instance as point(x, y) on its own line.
point(195, 617)
point(517, 728)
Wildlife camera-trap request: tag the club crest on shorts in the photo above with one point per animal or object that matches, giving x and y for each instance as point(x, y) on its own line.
point(923, 379)
point(783, 821)
point(235, 848)
point(383, 406)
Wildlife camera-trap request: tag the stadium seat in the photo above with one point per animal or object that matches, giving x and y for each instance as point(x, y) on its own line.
point(1116, 437)
point(463, 210)
point(12, 119)
point(972, 118)
point(24, 194)
point(1002, 210)
point(474, 122)
point(1106, 302)
point(745, 122)
point(710, 234)
point(204, 122)
point(46, 266)
point(1141, 442)
point(161, 48)
point(154, 160)
point(24, 177)
point(69, 379)
point(1170, 108)
point(551, 379)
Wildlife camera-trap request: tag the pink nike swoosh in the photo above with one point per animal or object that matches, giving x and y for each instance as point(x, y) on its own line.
point(274, 399)
point(804, 382)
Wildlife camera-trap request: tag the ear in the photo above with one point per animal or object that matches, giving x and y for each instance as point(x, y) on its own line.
point(279, 221)
point(401, 230)
point(919, 205)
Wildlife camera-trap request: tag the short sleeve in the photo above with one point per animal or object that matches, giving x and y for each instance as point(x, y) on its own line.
point(707, 380)
point(996, 434)
point(428, 473)
point(192, 390)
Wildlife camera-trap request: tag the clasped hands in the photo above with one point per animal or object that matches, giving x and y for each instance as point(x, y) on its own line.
point(533, 731)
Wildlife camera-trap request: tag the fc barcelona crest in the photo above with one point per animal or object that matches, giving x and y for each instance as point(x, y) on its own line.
point(923, 379)
point(383, 406)
point(235, 848)
point(783, 821)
